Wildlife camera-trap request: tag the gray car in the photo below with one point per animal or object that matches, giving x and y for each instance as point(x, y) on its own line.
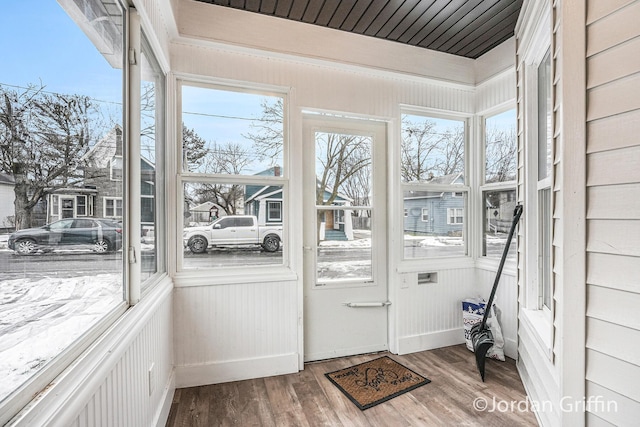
point(98, 234)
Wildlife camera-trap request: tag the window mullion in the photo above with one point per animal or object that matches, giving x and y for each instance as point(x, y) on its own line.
point(132, 199)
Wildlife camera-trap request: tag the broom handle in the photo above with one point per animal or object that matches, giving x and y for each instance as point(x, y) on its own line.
point(516, 217)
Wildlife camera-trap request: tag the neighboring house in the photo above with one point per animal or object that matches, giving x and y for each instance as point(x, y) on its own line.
point(336, 224)
point(499, 212)
point(435, 212)
point(100, 194)
point(206, 212)
point(7, 210)
point(265, 201)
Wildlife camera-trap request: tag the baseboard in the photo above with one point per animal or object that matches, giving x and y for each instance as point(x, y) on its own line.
point(235, 370)
point(167, 400)
point(430, 341)
point(511, 348)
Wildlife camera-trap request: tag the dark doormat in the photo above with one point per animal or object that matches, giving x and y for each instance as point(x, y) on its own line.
point(370, 383)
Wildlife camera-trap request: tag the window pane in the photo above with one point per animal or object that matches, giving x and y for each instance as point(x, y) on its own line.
point(442, 234)
point(344, 178)
point(344, 244)
point(544, 246)
point(57, 280)
point(151, 142)
point(433, 150)
point(498, 215)
point(226, 132)
point(545, 130)
point(500, 147)
point(229, 225)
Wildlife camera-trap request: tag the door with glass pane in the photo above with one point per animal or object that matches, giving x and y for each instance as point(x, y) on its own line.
point(345, 276)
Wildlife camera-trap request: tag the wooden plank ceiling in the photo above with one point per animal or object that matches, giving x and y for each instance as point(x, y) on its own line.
point(466, 28)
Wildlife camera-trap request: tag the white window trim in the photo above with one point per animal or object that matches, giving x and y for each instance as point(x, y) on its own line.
point(455, 216)
point(484, 261)
point(230, 273)
point(418, 264)
point(275, 202)
point(115, 207)
point(536, 42)
point(423, 215)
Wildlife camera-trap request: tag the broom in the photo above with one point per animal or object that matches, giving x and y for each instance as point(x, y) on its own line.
point(481, 336)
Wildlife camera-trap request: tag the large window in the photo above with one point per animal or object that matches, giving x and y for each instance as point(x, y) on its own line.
point(499, 184)
point(60, 276)
point(434, 186)
point(151, 157)
point(233, 180)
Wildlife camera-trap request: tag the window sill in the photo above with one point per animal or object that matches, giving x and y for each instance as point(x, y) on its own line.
point(420, 265)
point(539, 323)
point(214, 277)
point(492, 264)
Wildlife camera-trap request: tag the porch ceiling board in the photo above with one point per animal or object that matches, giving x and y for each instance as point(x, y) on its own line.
point(468, 28)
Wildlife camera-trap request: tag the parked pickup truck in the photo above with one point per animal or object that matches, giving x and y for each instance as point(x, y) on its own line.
point(234, 230)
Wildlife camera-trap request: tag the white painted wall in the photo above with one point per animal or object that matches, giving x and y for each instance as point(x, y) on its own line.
point(323, 69)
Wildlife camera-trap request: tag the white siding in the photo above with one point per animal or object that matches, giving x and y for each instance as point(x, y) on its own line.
point(613, 212)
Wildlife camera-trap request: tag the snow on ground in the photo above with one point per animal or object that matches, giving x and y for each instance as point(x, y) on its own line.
point(39, 319)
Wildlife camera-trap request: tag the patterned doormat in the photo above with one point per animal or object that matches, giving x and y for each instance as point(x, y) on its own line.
point(371, 383)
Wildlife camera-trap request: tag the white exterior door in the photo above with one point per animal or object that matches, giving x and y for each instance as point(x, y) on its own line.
point(345, 275)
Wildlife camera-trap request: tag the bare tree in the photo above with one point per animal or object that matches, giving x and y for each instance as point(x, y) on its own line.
point(229, 158)
point(500, 155)
point(418, 146)
point(148, 121)
point(427, 151)
point(451, 146)
point(42, 140)
point(339, 157)
point(267, 131)
point(358, 184)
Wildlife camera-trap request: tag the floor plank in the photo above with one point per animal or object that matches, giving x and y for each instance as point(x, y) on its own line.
point(308, 398)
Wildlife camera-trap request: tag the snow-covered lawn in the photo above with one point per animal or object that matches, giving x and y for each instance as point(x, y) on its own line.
point(39, 319)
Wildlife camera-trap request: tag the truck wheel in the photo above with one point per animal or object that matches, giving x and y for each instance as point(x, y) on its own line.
point(271, 243)
point(197, 244)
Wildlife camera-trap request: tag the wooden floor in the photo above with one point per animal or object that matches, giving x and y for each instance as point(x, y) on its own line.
point(307, 398)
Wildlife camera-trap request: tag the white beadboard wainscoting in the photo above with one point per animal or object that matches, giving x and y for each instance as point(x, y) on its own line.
point(235, 331)
point(507, 301)
point(429, 315)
